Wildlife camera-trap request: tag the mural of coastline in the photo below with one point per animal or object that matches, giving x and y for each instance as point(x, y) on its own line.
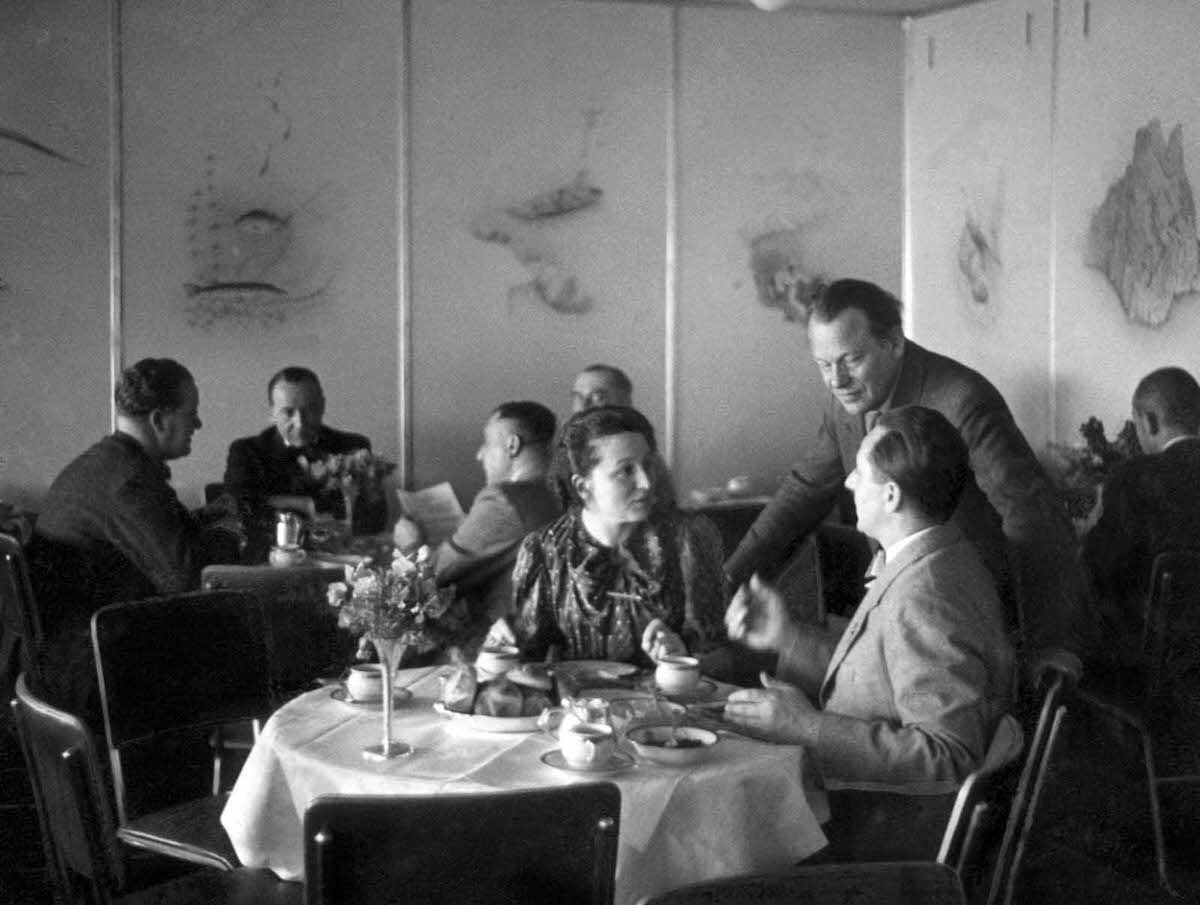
point(1143, 237)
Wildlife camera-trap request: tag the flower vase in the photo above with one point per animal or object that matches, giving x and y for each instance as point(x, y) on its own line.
point(391, 652)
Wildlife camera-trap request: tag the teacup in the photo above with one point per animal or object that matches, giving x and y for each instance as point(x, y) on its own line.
point(677, 674)
point(365, 682)
point(496, 661)
point(587, 746)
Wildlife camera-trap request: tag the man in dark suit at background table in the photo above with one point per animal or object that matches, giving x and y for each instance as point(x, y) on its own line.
point(112, 529)
point(1149, 505)
point(1009, 505)
point(267, 464)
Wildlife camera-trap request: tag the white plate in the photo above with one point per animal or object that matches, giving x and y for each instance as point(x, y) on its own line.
point(602, 669)
point(485, 723)
point(618, 763)
point(342, 696)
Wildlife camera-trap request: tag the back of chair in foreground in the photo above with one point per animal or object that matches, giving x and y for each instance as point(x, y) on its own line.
point(534, 847)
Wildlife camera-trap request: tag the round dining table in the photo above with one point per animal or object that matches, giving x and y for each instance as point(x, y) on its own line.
point(747, 807)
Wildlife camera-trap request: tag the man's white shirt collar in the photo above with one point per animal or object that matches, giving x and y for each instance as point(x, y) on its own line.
point(890, 553)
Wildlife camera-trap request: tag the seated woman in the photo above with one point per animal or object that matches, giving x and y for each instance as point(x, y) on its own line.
point(616, 577)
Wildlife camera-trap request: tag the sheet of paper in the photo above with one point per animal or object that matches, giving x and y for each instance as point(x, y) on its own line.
point(435, 509)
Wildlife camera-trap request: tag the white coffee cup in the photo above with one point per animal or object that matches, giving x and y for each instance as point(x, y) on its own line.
point(365, 682)
point(677, 674)
point(587, 745)
point(496, 661)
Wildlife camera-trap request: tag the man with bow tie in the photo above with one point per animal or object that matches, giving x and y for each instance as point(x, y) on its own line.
point(268, 463)
point(909, 693)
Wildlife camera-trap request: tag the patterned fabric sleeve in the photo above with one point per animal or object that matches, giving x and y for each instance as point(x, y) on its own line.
point(536, 626)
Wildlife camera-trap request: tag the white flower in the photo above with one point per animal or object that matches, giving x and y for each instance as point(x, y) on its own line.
point(337, 593)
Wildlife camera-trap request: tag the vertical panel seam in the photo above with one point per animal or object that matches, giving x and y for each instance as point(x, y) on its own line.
point(116, 205)
point(671, 276)
point(404, 445)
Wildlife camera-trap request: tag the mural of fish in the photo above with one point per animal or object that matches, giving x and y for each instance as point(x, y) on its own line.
point(234, 288)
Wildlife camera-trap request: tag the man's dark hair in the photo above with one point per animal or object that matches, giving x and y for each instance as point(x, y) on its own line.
point(1172, 396)
point(883, 310)
point(532, 422)
point(152, 383)
point(925, 455)
point(294, 374)
point(573, 450)
point(618, 377)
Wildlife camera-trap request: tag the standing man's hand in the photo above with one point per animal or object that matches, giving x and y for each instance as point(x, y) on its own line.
point(778, 711)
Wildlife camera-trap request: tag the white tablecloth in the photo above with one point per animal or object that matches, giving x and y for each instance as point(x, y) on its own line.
point(745, 809)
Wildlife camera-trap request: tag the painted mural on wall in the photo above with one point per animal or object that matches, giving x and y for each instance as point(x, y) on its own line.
point(526, 228)
point(246, 238)
point(978, 255)
point(781, 278)
point(1143, 237)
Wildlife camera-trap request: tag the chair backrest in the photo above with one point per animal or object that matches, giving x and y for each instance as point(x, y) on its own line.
point(302, 637)
point(78, 832)
point(531, 846)
point(18, 609)
point(1059, 687)
point(877, 883)
point(169, 665)
point(1172, 627)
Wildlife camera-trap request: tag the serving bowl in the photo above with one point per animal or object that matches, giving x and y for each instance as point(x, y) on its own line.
point(674, 746)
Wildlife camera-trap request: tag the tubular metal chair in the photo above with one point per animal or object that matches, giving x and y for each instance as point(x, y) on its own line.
point(302, 637)
point(84, 858)
point(19, 618)
point(170, 670)
point(993, 815)
point(880, 883)
point(1159, 701)
point(534, 847)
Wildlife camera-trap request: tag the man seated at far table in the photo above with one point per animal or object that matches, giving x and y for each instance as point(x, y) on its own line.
point(598, 385)
point(112, 529)
point(909, 693)
point(267, 464)
point(516, 499)
point(1150, 505)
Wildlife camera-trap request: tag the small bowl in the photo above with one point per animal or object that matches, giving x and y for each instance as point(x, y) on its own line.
point(365, 682)
point(674, 747)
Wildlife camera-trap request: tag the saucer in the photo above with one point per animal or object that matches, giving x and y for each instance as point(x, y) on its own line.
point(703, 691)
point(618, 763)
point(342, 696)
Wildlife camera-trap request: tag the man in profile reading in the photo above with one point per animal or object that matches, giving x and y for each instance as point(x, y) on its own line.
point(515, 499)
point(908, 695)
point(268, 464)
point(111, 527)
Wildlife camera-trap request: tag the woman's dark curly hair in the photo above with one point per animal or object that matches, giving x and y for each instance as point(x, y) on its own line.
point(574, 453)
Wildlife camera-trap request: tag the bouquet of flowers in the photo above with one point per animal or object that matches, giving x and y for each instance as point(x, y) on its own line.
point(347, 471)
point(1082, 470)
point(400, 604)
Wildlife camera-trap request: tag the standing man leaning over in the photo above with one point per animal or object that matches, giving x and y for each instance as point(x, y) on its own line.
point(266, 464)
point(1008, 506)
point(1150, 505)
point(112, 529)
point(515, 500)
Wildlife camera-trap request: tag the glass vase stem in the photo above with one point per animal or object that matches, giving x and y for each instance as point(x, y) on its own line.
point(390, 655)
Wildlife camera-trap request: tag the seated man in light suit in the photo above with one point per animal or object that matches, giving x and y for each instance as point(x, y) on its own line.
point(515, 500)
point(909, 693)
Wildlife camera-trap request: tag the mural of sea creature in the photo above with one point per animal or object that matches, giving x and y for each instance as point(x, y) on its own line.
point(573, 196)
point(782, 281)
point(977, 259)
point(33, 144)
point(1143, 237)
point(260, 221)
point(233, 288)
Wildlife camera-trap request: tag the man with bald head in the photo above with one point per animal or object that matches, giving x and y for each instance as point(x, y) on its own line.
point(1149, 505)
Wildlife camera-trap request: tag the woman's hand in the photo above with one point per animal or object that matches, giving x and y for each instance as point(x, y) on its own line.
point(500, 635)
point(658, 641)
